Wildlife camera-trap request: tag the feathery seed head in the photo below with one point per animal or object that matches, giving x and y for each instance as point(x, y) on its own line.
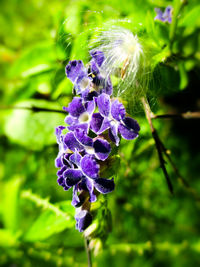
point(124, 56)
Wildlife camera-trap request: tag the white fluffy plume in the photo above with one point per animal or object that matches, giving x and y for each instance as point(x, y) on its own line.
point(123, 56)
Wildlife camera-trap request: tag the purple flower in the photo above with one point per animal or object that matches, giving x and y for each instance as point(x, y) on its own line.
point(77, 73)
point(98, 146)
point(86, 177)
point(85, 148)
point(165, 16)
point(89, 82)
point(112, 117)
point(83, 220)
point(80, 114)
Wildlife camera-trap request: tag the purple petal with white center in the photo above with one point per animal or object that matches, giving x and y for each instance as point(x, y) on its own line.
point(89, 166)
point(82, 137)
point(83, 220)
point(72, 143)
point(96, 122)
point(103, 185)
point(104, 105)
point(75, 69)
point(75, 158)
point(72, 176)
point(117, 110)
point(98, 56)
point(75, 108)
point(102, 148)
point(129, 129)
point(90, 187)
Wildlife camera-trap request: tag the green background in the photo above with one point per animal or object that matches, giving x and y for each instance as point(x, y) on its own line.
point(149, 226)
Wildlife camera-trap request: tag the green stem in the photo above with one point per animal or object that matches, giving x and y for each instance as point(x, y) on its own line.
point(178, 5)
point(88, 251)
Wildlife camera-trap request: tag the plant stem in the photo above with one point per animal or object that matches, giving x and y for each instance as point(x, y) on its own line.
point(158, 143)
point(34, 109)
point(88, 251)
point(186, 115)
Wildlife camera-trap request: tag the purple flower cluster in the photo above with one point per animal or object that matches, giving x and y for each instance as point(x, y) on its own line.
point(95, 123)
point(165, 16)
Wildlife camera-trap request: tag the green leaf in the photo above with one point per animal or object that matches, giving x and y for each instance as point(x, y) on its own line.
point(10, 207)
point(7, 238)
point(50, 223)
point(192, 18)
point(34, 60)
point(183, 76)
point(34, 130)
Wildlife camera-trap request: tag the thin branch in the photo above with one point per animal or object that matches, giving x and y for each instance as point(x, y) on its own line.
point(186, 115)
point(179, 176)
point(33, 109)
point(158, 143)
point(88, 251)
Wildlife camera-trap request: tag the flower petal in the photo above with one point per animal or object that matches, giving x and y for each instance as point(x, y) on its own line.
point(84, 126)
point(83, 220)
point(75, 108)
point(108, 87)
point(103, 185)
point(90, 106)
point(96, 122)
point(72, 143)
point(75, 158)
point(75, 69)
point(72, 176)
point(105, 125)
point(129, 129)
point(82, 137)
point(58, 132)
point(104, 105)
point(113, 133)
point(90, 187)
point(117, 110)
point(89, 166)
point(98, 57)
point(102, 148)
point(75, 198)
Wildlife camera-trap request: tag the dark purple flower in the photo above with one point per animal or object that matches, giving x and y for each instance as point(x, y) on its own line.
point(113, 118)
point(165, 16)
point(86, 177)
point(83, 220)
point(98, 146)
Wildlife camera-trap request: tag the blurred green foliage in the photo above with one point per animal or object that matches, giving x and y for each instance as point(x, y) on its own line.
point(149, 226)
